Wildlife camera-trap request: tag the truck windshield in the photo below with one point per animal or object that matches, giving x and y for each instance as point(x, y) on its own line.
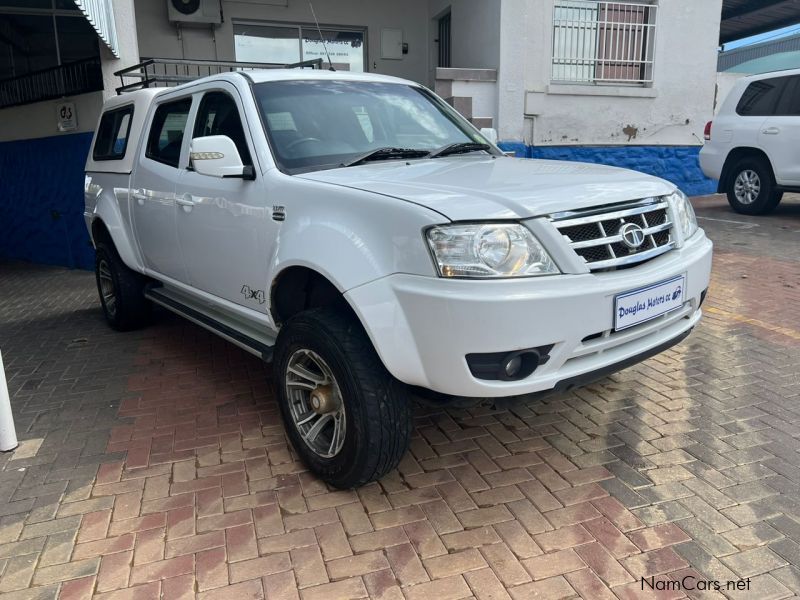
point(323, 124)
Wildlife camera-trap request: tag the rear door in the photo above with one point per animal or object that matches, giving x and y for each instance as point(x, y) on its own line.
point(757, 104)
point(153, 189)
point(780, 134)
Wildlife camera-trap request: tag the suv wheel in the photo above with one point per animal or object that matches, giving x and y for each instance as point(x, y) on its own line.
point(121, 290)
point(346, 416)
point(751, 188)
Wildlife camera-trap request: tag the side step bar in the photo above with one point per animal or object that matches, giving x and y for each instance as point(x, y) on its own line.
point(235, 331)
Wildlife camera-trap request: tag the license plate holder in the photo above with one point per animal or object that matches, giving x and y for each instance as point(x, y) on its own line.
point(643, 304)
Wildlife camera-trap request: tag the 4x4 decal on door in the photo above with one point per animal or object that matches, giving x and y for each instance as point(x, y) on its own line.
point(251, 294)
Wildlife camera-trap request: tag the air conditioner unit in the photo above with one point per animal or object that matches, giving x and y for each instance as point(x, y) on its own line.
point(194, 12)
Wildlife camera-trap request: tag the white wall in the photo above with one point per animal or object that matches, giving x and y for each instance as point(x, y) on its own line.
point(158, 38)
point(127, 41)
point(672, 112)
point(725, 83)
point(40, 120)
point(483, 94)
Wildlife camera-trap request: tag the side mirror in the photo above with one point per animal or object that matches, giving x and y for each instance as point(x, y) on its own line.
point(217, 156)
point(490, 134)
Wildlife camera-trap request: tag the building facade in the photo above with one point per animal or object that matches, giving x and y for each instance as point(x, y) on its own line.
point(627, 83)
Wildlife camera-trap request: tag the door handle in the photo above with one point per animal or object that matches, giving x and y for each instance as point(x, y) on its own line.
point(185, 201)
point(139, 198)
point(771, 131)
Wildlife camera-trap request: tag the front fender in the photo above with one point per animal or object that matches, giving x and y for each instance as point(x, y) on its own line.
point(352, 237)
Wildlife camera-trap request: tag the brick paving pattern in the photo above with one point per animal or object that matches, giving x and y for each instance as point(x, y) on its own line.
point(154, 464)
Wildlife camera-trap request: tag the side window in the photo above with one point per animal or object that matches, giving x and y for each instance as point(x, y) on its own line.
point(789, 105)
point(166, 132)
point(760, 99)
point(112, 135)
point(218, 115)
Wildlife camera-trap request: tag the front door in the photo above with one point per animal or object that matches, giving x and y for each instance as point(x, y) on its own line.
point(225, 226)
point(153, 190)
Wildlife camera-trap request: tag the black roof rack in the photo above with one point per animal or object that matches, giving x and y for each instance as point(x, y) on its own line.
point(168, 72)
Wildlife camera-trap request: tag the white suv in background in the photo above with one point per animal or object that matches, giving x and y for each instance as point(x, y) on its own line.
point(753, 145)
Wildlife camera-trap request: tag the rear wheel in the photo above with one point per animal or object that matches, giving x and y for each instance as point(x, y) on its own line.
point(346, 416)
point(121, 290)
point(751, 187)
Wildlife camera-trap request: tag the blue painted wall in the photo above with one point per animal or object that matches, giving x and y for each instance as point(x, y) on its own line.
point(678, 164)
point(41, 201)
point(41, 189)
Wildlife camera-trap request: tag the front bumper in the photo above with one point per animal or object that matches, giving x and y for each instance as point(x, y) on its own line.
point(423, 327)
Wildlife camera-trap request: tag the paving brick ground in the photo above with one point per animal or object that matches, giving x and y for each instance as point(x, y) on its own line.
point(154, 464)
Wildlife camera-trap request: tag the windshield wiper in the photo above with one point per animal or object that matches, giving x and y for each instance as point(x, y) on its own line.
point(458, 148)
point(386, 154)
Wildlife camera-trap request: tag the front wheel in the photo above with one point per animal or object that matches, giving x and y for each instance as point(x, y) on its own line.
point(751, 188)
point(346, 416)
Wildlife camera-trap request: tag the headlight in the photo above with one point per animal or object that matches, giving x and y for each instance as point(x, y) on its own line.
point(684, 214)
point(485, 251)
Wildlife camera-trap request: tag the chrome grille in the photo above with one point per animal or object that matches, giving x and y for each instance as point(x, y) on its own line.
point(594, 233)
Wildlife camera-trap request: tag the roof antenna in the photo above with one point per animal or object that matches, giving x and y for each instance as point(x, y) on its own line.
point(324, 45)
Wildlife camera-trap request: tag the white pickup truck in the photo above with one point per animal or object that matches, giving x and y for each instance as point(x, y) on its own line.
point(357, 232)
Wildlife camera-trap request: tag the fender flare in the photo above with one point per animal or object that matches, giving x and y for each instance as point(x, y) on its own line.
point(108, 213)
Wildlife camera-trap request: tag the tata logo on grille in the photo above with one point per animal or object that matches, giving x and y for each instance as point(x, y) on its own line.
point(632, 235)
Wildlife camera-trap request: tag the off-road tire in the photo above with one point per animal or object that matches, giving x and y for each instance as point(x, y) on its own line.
point(768, 197)
point(131, 309)
point(377, 406)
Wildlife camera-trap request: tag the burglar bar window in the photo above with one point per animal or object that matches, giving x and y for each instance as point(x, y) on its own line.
point(603, 42)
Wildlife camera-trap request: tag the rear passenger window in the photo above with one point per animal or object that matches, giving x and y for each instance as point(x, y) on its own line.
point(789, 105)
point(112, 135)
point(760, 99)
point(166, 133)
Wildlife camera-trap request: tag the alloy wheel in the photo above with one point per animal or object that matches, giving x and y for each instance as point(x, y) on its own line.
point(107, 287)
point(315, 403)
point(747, 186)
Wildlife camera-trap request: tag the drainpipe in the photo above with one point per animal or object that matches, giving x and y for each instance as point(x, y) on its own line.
point(8, 433)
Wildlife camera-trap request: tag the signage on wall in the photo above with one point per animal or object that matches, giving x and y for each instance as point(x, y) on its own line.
point(67, 116)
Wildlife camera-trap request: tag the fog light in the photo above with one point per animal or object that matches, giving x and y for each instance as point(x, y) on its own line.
point(513, 366)
point(508, 366)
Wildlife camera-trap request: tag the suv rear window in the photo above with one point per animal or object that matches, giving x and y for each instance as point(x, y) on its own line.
point(760, 99)
point(112, 135)
point(166, 133)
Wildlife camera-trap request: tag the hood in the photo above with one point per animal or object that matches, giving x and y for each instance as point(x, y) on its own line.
point(481, 187)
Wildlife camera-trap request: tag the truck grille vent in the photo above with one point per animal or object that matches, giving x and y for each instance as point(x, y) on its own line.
point(595, 234)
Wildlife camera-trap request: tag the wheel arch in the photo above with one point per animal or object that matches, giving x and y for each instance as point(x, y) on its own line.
point(300, 287)
point(734, 156)
point(107, 222)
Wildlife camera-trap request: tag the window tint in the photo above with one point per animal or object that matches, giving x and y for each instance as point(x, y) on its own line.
point(166, 133)
point(112, 135)
point(218, 115)
point(790, 100)
point(760, 99)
